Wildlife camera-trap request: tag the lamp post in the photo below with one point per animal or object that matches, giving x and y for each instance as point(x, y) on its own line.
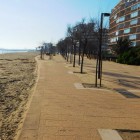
point(99, 58)
point(74, 52)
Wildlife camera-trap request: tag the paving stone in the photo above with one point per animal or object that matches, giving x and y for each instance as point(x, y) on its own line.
point(108, 134)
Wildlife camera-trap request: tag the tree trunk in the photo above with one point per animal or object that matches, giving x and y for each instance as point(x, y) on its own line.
point(79, 53)
point(68, 56)
point(85, 44)
point(96, 74)
point(74, 55)
point(71, 55)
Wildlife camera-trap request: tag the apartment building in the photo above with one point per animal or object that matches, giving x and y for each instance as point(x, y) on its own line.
point(125, 22)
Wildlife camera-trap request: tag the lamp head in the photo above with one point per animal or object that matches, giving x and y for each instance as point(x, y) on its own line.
point(106, 14)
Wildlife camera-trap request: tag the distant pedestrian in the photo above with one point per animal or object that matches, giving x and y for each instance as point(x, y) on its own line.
point(42, 53)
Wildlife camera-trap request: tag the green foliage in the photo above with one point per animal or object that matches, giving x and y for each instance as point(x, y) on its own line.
point(130, 57)
point(121, 46)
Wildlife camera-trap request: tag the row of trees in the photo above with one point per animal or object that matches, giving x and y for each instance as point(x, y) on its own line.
point(47, 48)
point(82, 39)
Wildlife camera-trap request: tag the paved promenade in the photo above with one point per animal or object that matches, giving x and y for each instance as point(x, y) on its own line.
point(60, 111)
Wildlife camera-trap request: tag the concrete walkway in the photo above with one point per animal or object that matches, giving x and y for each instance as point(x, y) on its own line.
point(59, 111)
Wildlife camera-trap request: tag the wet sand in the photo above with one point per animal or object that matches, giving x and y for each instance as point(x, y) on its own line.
point(17, 77)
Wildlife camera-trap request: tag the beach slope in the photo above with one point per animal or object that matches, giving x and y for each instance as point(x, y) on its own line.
point(17, 77)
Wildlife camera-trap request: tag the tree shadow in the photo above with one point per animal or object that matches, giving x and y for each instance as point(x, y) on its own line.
point(128, 130)
point(120, 75)
point(80, 72)
point(126, 93)
point(131, 84)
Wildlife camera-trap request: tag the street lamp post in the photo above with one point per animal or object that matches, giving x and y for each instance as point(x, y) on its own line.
point(74, 52)
point(99, 58)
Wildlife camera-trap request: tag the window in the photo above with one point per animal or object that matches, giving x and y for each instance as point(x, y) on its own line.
point(115, 16)
point(131, 37)
point(121, 26)
point(138, 29)
point(114, 39)
point(126, 31)
point(134, 21)
point(121, 19)
point(127, 3)
point(117, 32)
point(134, 14)
point(129, 0)
point(136, 6)
point(117, 21)
point(133, 44)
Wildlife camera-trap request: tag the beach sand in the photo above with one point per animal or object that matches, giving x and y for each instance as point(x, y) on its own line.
point(17, 77)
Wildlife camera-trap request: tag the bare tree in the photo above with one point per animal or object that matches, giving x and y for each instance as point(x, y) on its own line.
point(84, 33)
point(41, 52)
point(81, 34)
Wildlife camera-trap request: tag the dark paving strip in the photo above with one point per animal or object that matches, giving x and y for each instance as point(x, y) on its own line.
point(128, 130)
point(126, 93)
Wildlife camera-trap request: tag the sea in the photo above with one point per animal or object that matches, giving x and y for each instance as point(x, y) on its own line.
point(3, 51)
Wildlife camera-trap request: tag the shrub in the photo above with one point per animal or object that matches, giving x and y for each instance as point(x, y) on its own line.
point(130, 57)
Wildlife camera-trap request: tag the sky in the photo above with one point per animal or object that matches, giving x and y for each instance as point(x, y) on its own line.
point(26, 24)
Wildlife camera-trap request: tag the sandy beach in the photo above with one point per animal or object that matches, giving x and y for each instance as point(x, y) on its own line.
point(17, 77)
